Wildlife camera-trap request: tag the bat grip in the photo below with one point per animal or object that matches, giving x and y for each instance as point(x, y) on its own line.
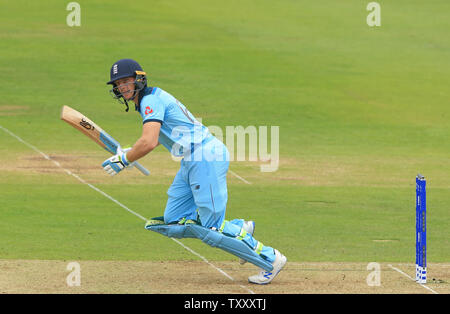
point(135, 163)
point(142, 168)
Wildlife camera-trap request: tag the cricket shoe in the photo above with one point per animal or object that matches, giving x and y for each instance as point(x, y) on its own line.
point(265, 277)
point(249, 227)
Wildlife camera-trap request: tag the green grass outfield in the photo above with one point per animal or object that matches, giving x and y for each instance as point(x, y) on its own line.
point(361, 111)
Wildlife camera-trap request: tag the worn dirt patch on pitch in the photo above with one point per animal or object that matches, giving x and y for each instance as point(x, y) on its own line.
point(34, 163)
point(37, 276)
point(8, 110)
point(162, 167)
point(88, 166)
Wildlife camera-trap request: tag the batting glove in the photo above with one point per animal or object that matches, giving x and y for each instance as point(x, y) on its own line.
point(125, 150)
point(116, 163)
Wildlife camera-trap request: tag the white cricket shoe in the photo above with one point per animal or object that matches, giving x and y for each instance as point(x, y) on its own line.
point(249, 227)
point(265, 277)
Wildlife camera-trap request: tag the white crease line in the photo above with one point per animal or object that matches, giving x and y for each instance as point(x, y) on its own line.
point(408, 276)
point(115, 201)
point(239, 177)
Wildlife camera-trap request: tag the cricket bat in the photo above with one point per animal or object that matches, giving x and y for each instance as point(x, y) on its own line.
point(94, 132)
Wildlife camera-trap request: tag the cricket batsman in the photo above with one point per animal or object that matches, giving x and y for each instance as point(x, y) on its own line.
point(198, 194)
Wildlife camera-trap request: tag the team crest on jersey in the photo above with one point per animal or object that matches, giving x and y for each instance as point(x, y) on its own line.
point(148, 110)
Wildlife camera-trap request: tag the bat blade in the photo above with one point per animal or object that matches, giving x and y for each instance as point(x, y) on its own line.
point(94, 132)
point(89, 128)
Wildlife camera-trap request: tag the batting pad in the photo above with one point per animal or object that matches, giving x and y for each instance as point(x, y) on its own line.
point(213, 238)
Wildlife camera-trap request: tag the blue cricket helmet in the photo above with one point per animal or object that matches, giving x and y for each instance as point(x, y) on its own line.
point(127, 68)
point(123, 68)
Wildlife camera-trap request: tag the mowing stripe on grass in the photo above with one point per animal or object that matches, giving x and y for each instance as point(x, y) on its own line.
point(115, 201)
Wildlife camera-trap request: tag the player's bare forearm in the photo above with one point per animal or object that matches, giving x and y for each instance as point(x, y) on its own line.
point(146, 143)
point(140, 149)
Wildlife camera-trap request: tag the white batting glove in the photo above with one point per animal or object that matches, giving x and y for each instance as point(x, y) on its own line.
point(116, 163)
point(126, 150)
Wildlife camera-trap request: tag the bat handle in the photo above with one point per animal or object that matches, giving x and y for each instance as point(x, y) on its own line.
point(142, 168)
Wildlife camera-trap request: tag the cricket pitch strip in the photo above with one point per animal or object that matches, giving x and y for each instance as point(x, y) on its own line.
point(197, 277)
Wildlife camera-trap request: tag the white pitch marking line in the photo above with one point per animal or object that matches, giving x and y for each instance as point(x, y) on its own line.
point(115, 201)
point(239, 177)
point(408, 276)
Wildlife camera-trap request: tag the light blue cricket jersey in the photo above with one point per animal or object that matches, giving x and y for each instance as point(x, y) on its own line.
point(180, 131)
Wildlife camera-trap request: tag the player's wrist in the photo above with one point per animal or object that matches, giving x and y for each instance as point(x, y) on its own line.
point(125, 160)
